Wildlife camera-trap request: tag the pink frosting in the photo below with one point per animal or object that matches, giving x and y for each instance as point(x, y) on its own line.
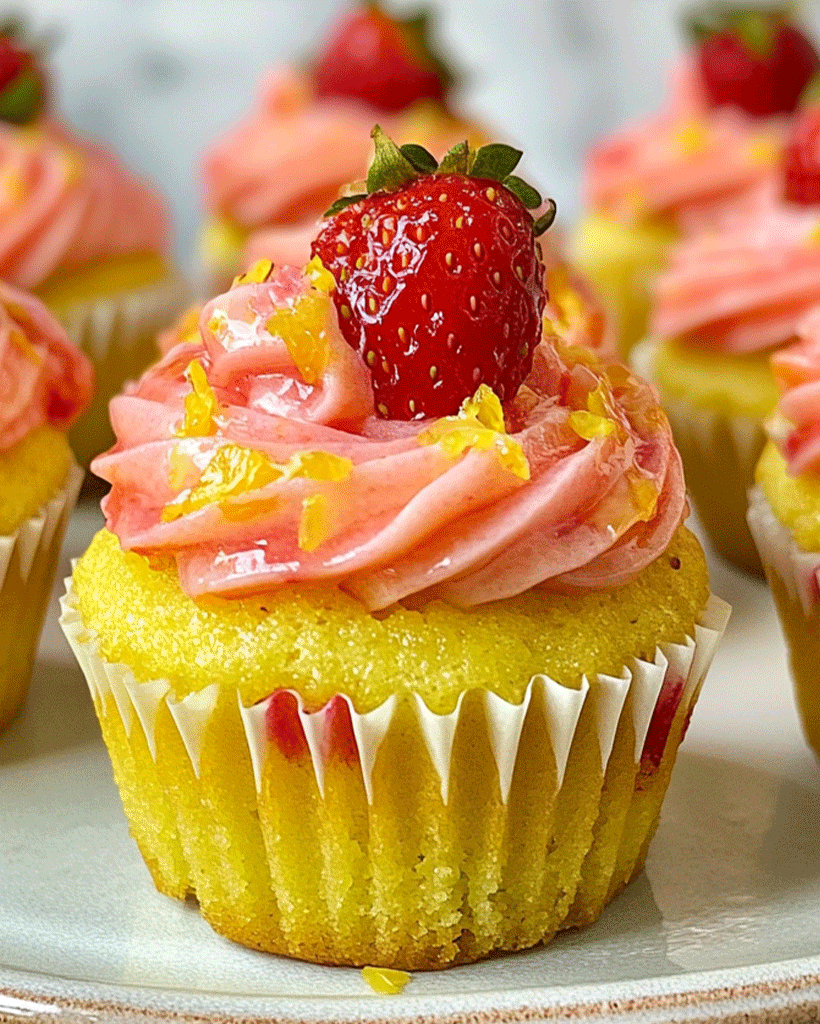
point(64, 202)
point(410, 517)
point(797, 370)
point(746, 286)
point(685, 162)
point(278, 170)
point(43, 377)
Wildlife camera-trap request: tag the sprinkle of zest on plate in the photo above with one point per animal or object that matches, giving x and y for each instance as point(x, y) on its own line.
point(201, 405)
point(385, 980)
point(235, 470)
point(479, 424)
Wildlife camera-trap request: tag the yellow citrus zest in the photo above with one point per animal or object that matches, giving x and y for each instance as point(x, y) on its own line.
point(234, 470)
point(645, 498)
point(314, 526)
point(180, 466)
point(319, 276)
point(218, 324)
point(201, 405)
point(303, 328)
point(598, 419)
point(479, 424)
point(255, 274)
point(19, 339)
point(692, 137)
point(385, 980)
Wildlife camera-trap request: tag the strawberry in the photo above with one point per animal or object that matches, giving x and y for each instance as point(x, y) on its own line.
point(386, 63)
point(801, 157)
point(439, 281)
point(21, 84)
point(753, 58)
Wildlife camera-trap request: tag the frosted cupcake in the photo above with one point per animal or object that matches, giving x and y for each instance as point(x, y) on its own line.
point(44, 385)
point(717, 139)
point(86, 236)
point(784, 514)
point(729, 297)
point(451, 649)
point(268, 181)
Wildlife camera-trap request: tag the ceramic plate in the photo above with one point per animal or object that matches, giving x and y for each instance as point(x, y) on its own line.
point(723, 926)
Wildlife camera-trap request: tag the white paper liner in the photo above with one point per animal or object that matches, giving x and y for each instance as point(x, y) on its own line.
point(561, 705)
point(37, 532)
point(703, 427)
point(124, 318)
point(799, 569)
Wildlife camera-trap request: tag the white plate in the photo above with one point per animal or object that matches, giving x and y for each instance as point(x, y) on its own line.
point(724, 925)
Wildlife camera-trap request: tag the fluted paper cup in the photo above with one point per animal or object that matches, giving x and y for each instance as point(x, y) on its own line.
point(398, 836)
point(28, 564)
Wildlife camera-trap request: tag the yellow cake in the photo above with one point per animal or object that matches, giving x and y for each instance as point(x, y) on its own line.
point(46, 384)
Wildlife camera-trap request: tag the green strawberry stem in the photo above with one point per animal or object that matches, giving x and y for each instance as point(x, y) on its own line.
point(394, 166)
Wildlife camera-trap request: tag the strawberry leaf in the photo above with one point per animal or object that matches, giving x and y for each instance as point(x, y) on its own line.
point(390, 168)
point(418, 156)
point(342, 203)
point(22, 98)
point(546, 218)
point(495, 161)
point(529, 196)
point(456, 160)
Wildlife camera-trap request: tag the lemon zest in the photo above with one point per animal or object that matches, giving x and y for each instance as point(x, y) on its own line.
point(201, 405)
point(385, 980)
point(257, 273)
point(302, 328)
point(478, 425)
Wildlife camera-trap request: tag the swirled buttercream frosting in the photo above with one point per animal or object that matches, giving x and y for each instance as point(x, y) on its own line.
point(251, 453)
point(65, 202)
point(44, 379)
point(796, 425)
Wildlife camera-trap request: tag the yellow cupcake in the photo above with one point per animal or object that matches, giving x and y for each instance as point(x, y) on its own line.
point(46, 384)
point(329, 719)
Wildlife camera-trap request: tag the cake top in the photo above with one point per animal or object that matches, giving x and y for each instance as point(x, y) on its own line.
point(44, 379)
point(796, 426)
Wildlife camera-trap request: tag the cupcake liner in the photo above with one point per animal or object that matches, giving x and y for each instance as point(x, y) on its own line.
point(426, 839)
point(140, 701)
point(794, 578)
point(719, 454)
point(798, 570)
point(118, 332)
point(28, 560)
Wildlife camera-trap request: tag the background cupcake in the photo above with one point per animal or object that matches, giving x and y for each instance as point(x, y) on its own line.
point(717, 139)
point(44, 385)
point(784, 515)
point(728, 298)
point(269, 180)
point(456, 729)
point(84, 235)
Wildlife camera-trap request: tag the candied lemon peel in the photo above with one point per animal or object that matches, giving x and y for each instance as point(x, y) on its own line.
point(201, 405)
point(479, 424)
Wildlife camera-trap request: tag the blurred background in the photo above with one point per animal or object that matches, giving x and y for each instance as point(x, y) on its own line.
point(159, 79)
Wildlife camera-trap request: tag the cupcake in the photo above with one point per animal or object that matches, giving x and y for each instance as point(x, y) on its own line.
point(784, 514)
point(86, 236)
point(728, 298)
point(44, 384)
point(717, 139)
point(268, 181)
point(393, 634)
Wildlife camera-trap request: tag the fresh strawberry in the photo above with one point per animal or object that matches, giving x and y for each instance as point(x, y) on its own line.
point(439, 281)
point(801, 158)
point(753, 58)
point(21, 84)
point(384, 62)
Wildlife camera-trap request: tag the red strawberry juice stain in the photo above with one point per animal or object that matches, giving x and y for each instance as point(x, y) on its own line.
point(59, 407)
point(283, 725)
point(339, 740)
point(662, 717)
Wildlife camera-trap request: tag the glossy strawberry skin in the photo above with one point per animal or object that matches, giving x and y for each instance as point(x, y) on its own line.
point(762, 84)
point(12, 61)
point(801, 159)
point(439, 288)
point(369, 58)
